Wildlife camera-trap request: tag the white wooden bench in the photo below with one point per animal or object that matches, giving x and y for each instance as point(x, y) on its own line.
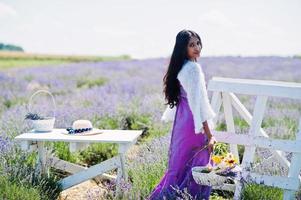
point(223, 94)
point(124, 138)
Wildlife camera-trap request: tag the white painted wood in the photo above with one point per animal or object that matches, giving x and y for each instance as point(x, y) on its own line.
point(65, 166)
point(258, 141)
point(122, 162)
point(33, 147)
point(24, 145)
point(290, 183)
point(249, 152)
point(294, 170)
point(263, 89)
point(77, 146)
point(122, 149)
point(125, 138)
point(226, 187)
point(42, 158)
point(74, 168)
point(118, 181)
point(216, 103)
point(258, 113)
point(90, 173)
point(242, 110)
point(289, 195)
point(290, 90)
point(229, 120)
point(108, 136)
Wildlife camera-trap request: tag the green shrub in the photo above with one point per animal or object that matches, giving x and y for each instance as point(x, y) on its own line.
point(106, 122)
point(145, 177)
point(61, 150)
point(261, 192)
point(97, 153)
point(89, 83)
point(221, 127)
point(13, 191)
point(18, 167)
point(220, 148)
point(8, 103)
point(240, 123)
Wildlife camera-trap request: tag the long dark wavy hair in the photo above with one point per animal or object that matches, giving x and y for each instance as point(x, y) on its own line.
point(178, 56)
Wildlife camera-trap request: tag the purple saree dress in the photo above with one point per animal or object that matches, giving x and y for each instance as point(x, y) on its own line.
point(184, 153)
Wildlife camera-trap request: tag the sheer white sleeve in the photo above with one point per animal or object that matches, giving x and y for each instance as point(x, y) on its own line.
point(169, 114)
point(192, 79)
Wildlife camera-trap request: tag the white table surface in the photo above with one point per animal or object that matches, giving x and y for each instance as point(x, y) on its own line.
point(110, 136)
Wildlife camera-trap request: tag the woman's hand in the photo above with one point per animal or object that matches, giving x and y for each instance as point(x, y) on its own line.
point(211, 142)
point(211, 139)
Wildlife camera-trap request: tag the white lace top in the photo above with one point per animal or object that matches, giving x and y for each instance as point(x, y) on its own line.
point(192, 79)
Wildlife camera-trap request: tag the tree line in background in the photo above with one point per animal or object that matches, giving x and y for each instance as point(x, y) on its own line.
point(10, 47)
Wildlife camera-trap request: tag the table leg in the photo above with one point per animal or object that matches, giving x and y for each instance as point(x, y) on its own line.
point(121, 170)
point(42, 157)
point(122, 162)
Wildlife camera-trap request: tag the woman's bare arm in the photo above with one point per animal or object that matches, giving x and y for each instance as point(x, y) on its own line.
point(207, 130)
point(211, 139)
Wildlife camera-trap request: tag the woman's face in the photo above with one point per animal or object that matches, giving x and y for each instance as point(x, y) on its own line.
point(194, 48)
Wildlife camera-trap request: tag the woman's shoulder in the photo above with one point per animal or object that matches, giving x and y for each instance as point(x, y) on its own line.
point(190, 67)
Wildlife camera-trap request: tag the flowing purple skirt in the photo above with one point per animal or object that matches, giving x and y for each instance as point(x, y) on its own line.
point(184, 153)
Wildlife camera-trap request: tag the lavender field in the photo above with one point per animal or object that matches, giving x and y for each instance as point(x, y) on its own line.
point(128, 95)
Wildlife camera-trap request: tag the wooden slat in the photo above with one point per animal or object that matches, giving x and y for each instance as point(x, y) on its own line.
point(295, 168)
point(243, 111)
point(226, 187)
point(258, 113)
point(229, 120)
point(256, 87)
point(216, 103)
point(258, 141)
point(91, 172)
point(65, 165)
point(289, 183)
point(74, 168)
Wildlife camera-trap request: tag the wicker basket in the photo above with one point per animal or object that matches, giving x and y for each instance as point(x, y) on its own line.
point(210, 178)
point(46, 124)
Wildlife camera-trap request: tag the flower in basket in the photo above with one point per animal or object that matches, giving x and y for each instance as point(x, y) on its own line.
point(40, 123)
point(226, 165)
point(224, 169)
point(34, 116)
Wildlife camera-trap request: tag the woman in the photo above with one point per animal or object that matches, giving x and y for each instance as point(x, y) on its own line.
point(188, 106)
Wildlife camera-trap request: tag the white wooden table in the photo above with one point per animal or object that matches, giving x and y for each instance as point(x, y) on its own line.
point(124, 138)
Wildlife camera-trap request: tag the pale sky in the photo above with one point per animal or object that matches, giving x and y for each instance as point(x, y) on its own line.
point(146, 29)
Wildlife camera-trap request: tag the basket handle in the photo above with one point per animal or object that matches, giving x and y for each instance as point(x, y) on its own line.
point(37, 92)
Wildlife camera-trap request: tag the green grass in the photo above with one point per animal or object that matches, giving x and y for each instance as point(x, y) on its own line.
point(289, 123)
point(261, 192)
point(18, 59)
point(11, 63)
point(241, 123)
